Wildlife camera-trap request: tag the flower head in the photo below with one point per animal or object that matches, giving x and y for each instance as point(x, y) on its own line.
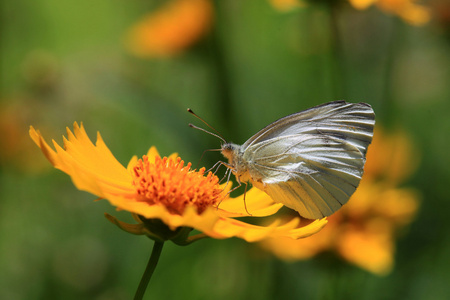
point(169, 30)
point(363, 231)
point(408, 10)
point(166, 190)
point(168, 182)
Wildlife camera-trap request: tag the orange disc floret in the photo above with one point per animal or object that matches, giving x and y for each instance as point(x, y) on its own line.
point(169, 183)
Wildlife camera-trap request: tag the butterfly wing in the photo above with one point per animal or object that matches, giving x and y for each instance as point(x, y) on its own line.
point(312, 161)
point(350, 122)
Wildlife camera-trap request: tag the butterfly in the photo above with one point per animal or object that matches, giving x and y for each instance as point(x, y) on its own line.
point(311, 161)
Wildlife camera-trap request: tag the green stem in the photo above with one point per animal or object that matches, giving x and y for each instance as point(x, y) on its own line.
point(337, 68)
point(387, 102)
point(151, 265)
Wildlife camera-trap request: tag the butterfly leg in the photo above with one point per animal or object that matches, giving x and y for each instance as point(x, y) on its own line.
point(245, 203)
point(227, 175)
point(245, 192)
point(215, 166)
point(230, 169)
point(228, 180)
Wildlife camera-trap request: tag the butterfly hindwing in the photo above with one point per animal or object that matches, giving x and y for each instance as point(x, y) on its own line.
point(312, 161)
point(312, 175)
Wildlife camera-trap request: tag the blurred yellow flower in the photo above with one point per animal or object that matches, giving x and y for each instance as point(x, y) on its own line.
point(363, 231)
point(408, 10)
point(286, 5)
point(172, 28)
point(165, 189)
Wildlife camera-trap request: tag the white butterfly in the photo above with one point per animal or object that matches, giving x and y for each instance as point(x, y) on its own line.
point(311, 161)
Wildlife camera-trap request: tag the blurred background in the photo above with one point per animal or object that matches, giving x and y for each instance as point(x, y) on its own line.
point(129, 69)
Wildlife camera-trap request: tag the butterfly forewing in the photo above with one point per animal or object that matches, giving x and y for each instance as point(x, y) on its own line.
point(350, 121)
point(312, 161)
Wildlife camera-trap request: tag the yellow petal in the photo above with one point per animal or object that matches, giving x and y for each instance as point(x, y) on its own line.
point(370, 248)
point(132, 163)
point(152, 153)
point(398, 205)
point(416, 15)
point(252, 233)
point(298, 249)
point(361, 4)
point(258, 204)
point(92, 168)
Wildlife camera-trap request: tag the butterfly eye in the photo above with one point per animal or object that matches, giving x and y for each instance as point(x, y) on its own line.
point(227, 147)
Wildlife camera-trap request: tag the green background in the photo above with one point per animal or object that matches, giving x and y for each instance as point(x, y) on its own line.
point(65, 61)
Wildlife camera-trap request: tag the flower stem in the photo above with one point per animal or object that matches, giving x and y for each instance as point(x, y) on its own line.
point(151, 265)
point(337, 67)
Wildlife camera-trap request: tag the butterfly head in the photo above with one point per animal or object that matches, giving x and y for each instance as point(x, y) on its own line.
point(232, 152)
point(229, 150)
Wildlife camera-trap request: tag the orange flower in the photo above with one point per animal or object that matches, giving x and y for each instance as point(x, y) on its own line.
point(363, 231)
point(408, 10)
point(172, 28)
point(154, 188)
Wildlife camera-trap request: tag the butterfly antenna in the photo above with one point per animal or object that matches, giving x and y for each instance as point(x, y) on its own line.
point(217, 134)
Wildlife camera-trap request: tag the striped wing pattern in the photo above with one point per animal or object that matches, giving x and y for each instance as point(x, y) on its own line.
point(312, 161)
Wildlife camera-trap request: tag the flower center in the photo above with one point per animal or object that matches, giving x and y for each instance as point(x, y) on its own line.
point(170, 183)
